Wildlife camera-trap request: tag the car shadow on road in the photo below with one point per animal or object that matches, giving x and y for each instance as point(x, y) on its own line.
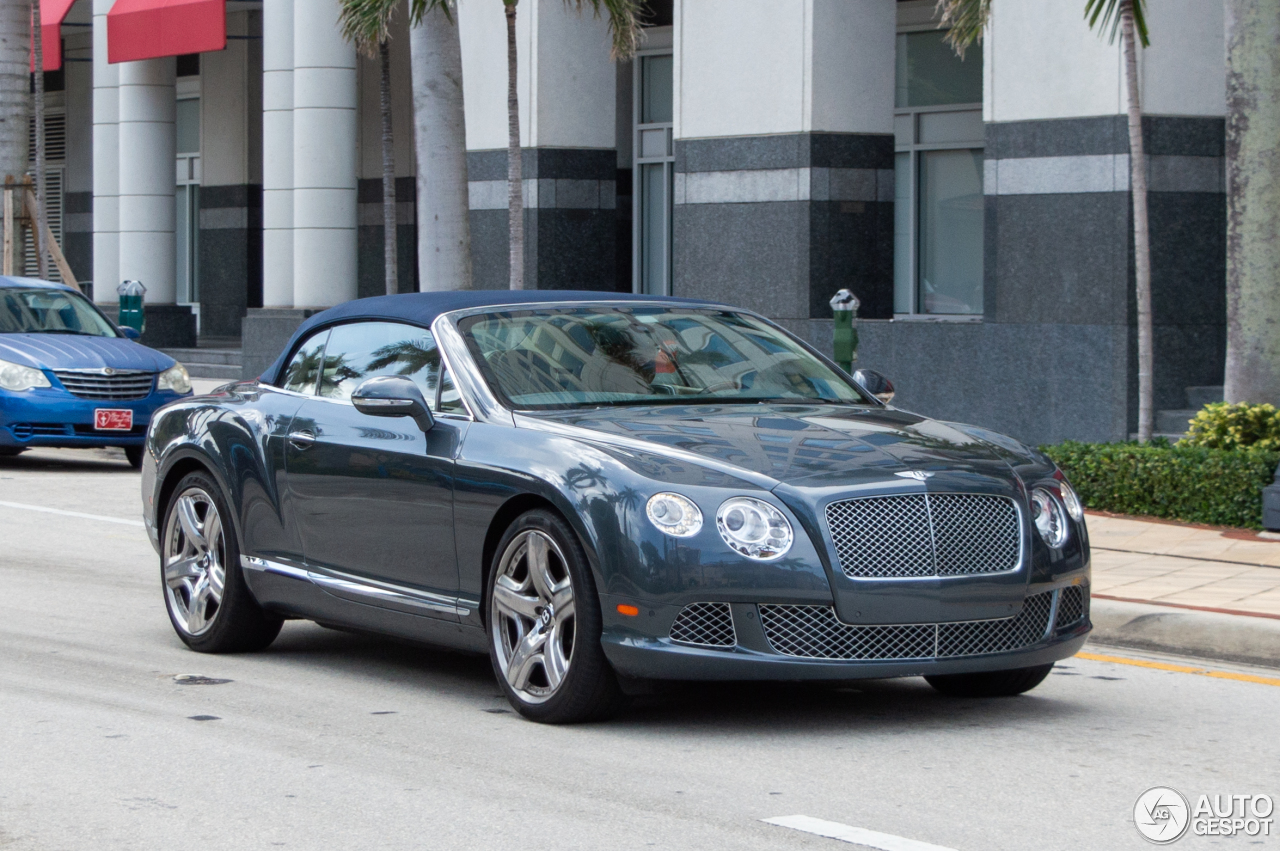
point(104, 460)
point(696, 708)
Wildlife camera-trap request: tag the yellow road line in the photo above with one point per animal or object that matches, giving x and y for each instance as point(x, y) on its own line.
point(1181, 669)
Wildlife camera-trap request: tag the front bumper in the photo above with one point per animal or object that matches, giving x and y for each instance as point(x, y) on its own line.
point(50, 416)
point(757, 652)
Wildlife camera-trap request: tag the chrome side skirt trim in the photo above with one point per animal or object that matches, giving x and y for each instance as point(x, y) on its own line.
point(379, 594)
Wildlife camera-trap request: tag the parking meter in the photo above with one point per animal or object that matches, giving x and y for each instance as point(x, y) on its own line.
point(132, 313)
point(844, 306)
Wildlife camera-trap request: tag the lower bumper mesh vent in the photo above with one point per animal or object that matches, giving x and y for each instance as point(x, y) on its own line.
point(1071, 607)
point(814, 632)
point(704, 625)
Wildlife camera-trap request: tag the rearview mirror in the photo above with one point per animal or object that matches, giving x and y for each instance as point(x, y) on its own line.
point(875, 384)
point(393, 396)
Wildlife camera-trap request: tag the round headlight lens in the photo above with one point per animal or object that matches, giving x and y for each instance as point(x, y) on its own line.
point(175, 378)
point(754, 528)
point(1049, 517)
point(16, 377)
point(1069, 498)
point(674, 515)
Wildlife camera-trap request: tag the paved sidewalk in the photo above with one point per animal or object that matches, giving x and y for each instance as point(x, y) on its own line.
point(1186, 566)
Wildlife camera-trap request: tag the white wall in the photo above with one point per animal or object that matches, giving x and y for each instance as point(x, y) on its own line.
point(225, 108)
point(759, 67)
point(565, 78)
point(1042, 61)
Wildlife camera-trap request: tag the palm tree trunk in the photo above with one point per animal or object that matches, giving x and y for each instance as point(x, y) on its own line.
point(444, 230)
point(389, 258)
point(1141, 228)
point(40, 215)
point(515, 169)
point(1253, 202)
point(15, 20)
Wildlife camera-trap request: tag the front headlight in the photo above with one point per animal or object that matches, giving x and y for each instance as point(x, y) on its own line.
point(1049, 517)
point(174, 378)
point(754, 528)
point(674, 514)
point(16, 377)
point(1069, 498)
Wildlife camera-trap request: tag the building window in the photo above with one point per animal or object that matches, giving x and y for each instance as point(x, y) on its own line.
point(187, 193)
point(55, 155)
point(654, 173)
point(938, 178)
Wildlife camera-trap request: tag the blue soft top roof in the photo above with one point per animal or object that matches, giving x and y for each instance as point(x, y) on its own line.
point(423, 308)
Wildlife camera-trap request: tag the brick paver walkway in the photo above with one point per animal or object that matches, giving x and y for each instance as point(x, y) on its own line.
point(1183, 565)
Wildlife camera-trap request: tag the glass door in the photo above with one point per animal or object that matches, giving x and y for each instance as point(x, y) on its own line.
point(654, 173)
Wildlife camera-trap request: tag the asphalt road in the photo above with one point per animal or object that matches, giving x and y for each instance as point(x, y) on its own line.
point(329, 740)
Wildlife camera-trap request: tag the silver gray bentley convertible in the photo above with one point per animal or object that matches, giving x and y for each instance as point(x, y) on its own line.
point(604, 491)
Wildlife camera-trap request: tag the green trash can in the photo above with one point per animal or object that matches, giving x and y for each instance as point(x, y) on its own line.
point(844, 307)
point(132, 313)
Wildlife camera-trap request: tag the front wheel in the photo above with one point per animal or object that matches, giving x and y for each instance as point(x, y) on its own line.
point(209, 604)
point(544, 623)
point(990, 683)
point(133, 454)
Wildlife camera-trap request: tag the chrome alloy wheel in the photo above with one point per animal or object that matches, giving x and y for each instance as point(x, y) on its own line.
point(194, 561)
point(533, 621)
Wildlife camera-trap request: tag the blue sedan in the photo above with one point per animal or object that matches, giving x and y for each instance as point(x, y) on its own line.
point(70, 377)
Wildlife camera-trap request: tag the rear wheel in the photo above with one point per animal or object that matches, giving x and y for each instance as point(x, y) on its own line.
point(10, 451)
point(134, 455)
point(209, 604)
point(990, 683)
point(543, 617)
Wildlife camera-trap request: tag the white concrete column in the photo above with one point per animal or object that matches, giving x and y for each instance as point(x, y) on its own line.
point(106, 163)
point(277, 154)
point(324, 159)
point(147, 251)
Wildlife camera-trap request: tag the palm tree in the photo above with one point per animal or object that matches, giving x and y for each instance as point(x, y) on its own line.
point(967, 19)
point(624, 23)
point(40, 215)
point(368, 23)
point(15, 36)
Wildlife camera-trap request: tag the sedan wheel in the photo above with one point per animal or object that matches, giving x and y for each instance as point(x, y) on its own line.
point(209, 604)
point(544, 624)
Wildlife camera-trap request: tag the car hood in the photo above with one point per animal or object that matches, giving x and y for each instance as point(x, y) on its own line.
point(72, 351)
point(819, 444)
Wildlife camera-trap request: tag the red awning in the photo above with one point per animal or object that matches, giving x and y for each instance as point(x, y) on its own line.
point(52, 12)
point(148, 29)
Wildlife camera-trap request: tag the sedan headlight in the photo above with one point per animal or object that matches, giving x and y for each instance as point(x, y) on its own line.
point(1049, 517)
point(674, 514)
point(754, 528)
point(175, 378)
point(16, 377)
point(1069, 498)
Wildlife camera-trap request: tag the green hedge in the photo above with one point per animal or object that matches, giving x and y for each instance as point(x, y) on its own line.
point(1221, 487)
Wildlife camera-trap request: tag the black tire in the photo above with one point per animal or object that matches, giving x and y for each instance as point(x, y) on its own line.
point(133, 454)
point(990, 683)
point(589, 689)
point(237, 624)
point(11, 451)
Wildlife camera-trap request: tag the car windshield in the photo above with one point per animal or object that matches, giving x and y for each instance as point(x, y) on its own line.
point(41, 311)
point(593, 356)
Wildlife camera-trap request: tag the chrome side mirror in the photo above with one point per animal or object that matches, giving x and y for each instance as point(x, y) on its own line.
point(393, 396)
point(875, 384)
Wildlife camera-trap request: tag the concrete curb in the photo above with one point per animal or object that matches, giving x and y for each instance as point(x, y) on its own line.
point(1187, 632)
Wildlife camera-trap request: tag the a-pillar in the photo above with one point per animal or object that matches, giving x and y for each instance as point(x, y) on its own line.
point(106, 163)
point(146, 186)
point(324, 159)
point(568, 101)
point(784, 155)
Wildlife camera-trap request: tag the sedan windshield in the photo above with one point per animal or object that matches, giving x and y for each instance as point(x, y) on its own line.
point(41, 311)
point(593, 356)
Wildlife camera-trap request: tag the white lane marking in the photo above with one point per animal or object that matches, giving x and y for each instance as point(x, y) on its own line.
point(82, 515)
point(855, 835)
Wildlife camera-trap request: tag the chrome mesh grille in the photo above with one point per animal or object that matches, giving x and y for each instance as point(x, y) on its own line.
point(1070, 607)
point(118, 387)
point(704, 625)
point(814, 632)
point(947, 534)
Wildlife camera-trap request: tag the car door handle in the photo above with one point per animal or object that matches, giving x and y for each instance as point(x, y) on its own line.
point(302, 439)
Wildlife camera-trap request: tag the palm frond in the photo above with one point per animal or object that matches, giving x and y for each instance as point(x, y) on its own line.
point(1110, 12)
point(624, 23)
point(367, 23)
point(419, 8)
point(964, 21)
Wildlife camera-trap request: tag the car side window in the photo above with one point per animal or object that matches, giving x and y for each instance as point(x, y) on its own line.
point(303, 370)
point(450, 398)
point(362, 350)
